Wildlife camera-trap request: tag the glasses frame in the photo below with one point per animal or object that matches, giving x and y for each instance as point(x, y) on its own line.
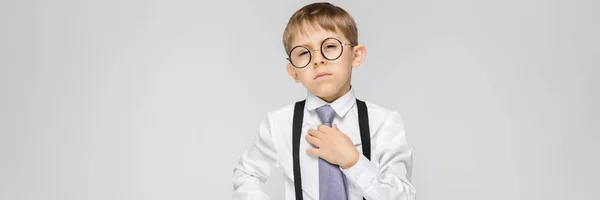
point(320, 49)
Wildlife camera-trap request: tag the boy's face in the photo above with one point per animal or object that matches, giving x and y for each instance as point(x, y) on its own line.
point(327, 79)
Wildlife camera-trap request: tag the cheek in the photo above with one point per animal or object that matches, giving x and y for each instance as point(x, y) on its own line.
point(349, 57)
point(344, 67)
point(305, 75)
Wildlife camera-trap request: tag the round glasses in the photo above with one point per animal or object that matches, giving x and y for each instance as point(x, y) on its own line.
point(331, 49)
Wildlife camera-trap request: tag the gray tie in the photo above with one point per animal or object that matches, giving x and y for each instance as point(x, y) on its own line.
point(332, 183)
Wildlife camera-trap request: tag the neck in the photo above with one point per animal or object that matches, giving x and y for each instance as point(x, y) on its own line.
point(345, 89)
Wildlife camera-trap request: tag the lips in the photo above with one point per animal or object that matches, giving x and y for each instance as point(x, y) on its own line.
point(322, 75)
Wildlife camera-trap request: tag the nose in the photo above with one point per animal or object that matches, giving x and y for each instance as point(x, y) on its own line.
point(318, 58)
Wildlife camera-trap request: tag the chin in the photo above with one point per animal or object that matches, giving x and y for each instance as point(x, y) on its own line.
point(325, 91)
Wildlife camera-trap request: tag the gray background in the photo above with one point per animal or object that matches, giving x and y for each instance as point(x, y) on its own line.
point(158, 99)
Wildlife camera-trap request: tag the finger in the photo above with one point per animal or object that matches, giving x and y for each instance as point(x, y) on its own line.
point(313, 140)
point(315, 133)
point(311, 131)
point(313, 152)
point(335, 127)
point(323, 128)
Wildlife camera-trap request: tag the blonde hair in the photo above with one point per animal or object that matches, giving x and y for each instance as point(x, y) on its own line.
point(326, 15)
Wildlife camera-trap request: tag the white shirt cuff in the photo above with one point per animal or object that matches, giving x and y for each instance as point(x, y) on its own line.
point(363, 173)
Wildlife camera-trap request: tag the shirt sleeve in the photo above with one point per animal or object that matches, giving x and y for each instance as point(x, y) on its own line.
point(387, 175)
point(255, 166)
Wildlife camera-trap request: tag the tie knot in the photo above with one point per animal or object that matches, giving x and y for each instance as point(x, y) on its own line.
point(326, 113)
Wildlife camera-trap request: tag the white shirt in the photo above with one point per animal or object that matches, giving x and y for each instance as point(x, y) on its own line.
point(385, 176)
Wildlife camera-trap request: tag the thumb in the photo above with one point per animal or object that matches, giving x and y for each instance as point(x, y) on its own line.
point(335, 127)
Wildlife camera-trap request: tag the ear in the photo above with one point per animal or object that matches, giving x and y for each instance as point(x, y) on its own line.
point(358, 52)
point(292, 72)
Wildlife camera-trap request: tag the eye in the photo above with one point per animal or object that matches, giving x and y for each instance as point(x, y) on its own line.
point(302, 53)
point(331, 46)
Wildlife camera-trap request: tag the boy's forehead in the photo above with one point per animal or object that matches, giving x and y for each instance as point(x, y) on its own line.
point(310, 35)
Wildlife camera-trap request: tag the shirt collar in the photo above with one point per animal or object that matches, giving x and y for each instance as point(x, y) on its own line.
point(341, 106)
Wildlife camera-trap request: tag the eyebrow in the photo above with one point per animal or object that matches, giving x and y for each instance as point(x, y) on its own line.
point(321, 41)
point(305, 44)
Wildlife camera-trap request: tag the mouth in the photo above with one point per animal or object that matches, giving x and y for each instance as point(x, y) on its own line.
point(321, 75)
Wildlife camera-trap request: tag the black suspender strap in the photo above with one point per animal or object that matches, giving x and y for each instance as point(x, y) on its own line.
point(296, 132)
point(365, 136)
point(363, 124)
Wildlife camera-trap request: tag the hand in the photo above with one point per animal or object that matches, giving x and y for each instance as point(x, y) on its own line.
point(333, 146)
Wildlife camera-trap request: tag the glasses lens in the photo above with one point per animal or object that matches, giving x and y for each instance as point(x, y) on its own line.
point(300, 56)
point(332, 49)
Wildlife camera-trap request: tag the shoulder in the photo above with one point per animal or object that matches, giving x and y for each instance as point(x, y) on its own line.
point(281, 114)
point(378, 110)
point(380, 116)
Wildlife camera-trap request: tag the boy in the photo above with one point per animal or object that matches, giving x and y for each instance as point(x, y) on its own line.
point(330, 145)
